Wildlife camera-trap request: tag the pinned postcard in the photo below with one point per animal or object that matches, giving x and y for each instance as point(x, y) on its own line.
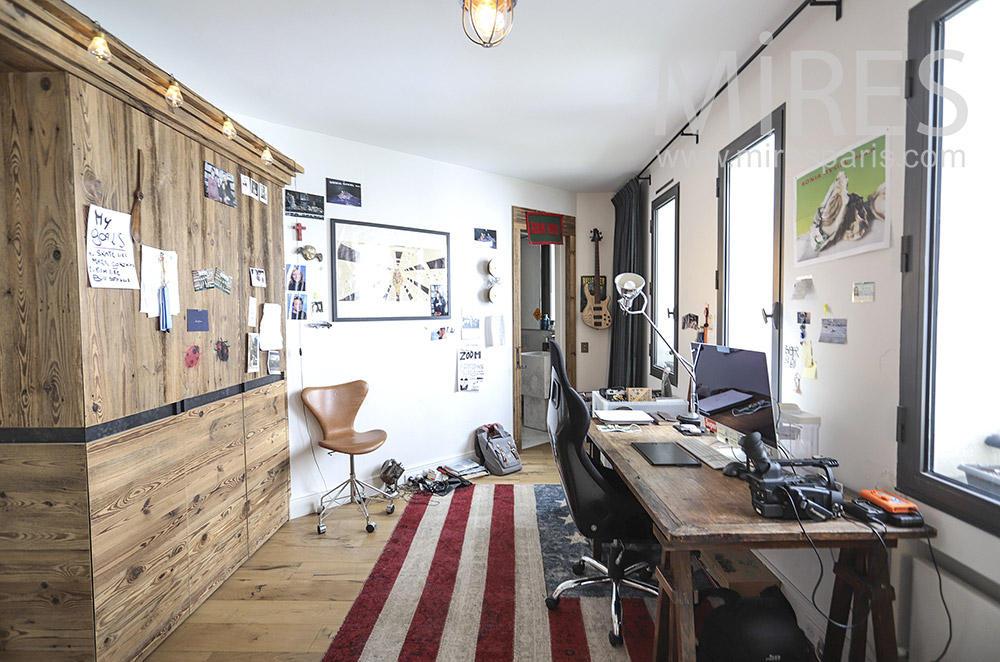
point(197, 320)
point(470, 327)
point(834, 330)
point(274, 362)
point(110, 253)
point(803, 286)
point(253, 352)
point(863, 292)
point(203, 279)
point(223, 281)
point(258, 277)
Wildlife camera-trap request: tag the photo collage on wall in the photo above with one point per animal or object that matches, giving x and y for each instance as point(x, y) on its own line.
point(297, 304)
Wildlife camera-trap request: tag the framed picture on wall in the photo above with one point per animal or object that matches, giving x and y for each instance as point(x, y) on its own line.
point(389, 272)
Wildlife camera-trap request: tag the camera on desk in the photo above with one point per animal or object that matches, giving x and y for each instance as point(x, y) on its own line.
point(776, 494)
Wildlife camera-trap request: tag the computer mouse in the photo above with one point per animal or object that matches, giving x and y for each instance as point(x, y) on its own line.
point(734, 469)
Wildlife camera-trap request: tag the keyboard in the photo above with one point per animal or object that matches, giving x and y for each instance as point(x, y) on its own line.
point(704, 452)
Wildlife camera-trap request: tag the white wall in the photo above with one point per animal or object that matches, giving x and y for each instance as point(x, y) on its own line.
point(593, 210)
point(413, 380)
point(857, 390)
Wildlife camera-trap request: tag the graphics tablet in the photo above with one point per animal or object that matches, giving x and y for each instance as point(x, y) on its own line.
point(665, 453)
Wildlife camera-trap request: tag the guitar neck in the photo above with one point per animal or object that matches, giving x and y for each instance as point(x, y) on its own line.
point(597, 271)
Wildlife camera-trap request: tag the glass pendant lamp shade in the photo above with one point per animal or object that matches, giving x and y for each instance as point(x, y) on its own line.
point(487, 22)
point(99, 47)
point(228, 130)
point(266, 157)
point(173, 95)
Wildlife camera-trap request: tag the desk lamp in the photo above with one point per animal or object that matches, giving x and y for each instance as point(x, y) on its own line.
point(630, 287)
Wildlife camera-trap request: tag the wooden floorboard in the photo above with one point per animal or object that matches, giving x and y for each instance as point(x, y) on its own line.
point(289, 599)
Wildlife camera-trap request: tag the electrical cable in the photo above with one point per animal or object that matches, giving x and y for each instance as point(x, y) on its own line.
point(822, 569)
point(947, 611)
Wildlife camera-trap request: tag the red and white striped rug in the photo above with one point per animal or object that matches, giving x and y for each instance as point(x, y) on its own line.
point(465, 577)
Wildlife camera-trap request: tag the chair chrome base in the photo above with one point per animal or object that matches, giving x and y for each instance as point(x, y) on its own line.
point(362, 494)
point(617, 575)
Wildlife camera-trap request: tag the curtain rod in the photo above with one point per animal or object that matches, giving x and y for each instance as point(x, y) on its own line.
point(749, 61)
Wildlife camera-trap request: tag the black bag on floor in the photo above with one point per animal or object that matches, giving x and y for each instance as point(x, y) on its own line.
point(496, 450)
point(760, 629)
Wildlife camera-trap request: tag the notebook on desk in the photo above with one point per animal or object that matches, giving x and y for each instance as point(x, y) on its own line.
point(665, 453)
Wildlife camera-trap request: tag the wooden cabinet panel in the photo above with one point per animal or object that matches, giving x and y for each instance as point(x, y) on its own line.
point(40, 375)
point(266, 424)
point(46, 594)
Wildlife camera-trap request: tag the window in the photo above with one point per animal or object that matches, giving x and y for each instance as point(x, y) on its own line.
point(663, 285)
point(751, 175)
point(948, 451)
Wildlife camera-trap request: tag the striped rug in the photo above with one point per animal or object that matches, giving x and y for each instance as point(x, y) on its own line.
point(465, 577)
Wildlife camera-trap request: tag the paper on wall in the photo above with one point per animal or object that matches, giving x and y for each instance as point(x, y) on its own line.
point(495, 331)
point(110, 253)
point(809, 370)
point(471, 371)
point(153, 274)
point(270, 327)
point(252, 312)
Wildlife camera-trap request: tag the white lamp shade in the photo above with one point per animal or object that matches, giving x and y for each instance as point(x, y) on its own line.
point(629, 285)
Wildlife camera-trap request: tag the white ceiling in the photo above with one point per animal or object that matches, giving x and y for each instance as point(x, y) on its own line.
point(572, 98)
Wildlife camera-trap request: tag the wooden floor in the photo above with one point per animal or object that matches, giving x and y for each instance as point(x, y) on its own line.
point(288, 600)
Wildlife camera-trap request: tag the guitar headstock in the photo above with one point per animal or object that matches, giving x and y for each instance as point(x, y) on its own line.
point(595, 235)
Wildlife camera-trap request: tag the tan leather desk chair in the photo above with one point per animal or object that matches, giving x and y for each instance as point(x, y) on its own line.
point(335, 408)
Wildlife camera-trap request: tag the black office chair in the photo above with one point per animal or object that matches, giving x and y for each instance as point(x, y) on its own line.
point(601, 504)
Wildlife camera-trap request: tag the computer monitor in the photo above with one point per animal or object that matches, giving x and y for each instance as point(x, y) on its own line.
point(734, 389)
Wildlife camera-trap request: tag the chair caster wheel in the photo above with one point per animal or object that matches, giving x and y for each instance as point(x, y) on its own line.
point(615, 640)
point(321, 529)
point(370, 527)
point(552, 603)
point(578, 568)
point(390, 509)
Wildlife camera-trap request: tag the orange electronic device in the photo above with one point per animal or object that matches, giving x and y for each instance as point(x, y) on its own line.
point(889, 501)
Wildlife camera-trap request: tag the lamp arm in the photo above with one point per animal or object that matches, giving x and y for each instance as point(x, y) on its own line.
point(625, 305)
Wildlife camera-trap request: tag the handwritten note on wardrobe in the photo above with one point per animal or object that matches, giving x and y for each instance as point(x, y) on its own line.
point(110, 254)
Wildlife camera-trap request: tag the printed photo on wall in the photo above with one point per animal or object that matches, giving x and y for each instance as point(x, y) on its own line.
point(488, 237)
point(841, 206)
point(253, 352)
point(305, 205)
point(297, 306)
point(339, 192)
point(220, 185)
point(295, 276)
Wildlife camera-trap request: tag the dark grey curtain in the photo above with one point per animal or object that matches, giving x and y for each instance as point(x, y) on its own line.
point(629, 353)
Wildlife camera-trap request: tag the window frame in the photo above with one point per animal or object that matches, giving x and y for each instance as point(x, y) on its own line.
point(915, 418)
point(775, 122)
point(672, 193)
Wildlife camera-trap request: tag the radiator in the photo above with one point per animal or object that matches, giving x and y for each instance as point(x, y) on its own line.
point(975, 619)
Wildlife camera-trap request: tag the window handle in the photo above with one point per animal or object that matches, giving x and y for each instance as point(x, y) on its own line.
point(775, 315)
point(670, 312)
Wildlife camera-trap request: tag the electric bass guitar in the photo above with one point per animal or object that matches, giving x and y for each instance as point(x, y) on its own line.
point(595, 312)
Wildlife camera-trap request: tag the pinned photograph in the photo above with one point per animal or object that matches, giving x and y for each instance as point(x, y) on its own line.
point(803, 317)
point(297, 306)
point(339, 192)
point(488, 237)
point(689, 321)
point(262, 193)
point(295, 276)
point(245, 184)
point(220, 185)
point(258, 278)
point(305, 205)
point(204, 279)
point(834, 330)
point(255, 189)
point(274, 362)
point(223, 281)
point(253, 352)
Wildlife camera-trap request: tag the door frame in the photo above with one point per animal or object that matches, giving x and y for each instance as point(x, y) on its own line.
point(569, 314)
point(775, 121)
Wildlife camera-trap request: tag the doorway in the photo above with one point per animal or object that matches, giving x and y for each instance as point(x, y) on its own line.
point(556, 266)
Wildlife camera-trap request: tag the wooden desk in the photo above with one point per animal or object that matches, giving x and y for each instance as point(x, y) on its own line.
point(697, 508)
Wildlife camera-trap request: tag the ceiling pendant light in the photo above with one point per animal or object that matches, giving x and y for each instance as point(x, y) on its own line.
point(228, 130)
point(487, 22)
point(173, 94)
point(99, 48)
point(266, 157)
